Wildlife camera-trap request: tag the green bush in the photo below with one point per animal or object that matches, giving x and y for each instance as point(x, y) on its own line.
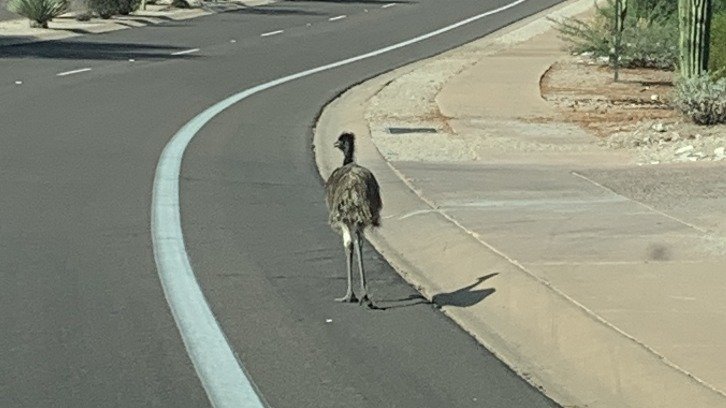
point(104, 8)
point(180, 4)
point(717, 63)
point(84, 16)
point(703, 99)
point(40, 12)
point(127, 6)
point(653, 9)
point(650, 37)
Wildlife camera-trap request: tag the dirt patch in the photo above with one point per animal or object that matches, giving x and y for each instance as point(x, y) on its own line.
point(635, 113)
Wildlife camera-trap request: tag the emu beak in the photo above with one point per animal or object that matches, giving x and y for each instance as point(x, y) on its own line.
point(337, 144)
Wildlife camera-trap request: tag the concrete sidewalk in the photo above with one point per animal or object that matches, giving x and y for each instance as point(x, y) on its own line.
point(17, 31)
point(597, 280)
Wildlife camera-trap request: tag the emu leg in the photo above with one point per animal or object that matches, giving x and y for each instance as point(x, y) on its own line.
point(348, 244)
point(364, 299)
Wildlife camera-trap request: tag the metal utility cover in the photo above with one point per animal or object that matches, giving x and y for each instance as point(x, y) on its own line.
point(404, 130)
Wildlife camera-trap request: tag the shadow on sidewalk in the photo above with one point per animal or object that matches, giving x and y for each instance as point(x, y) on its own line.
point(464, 297)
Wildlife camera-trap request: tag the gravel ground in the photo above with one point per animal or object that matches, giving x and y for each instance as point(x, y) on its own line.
point(632, 118)
point(635, 114)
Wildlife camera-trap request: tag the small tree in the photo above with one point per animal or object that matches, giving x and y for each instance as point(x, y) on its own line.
point(621, 12)
point(695, 26)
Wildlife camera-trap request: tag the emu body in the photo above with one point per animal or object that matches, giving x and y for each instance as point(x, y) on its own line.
point(354, 204)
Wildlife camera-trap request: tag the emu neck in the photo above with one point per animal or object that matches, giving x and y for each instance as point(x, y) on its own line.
point(348, 152)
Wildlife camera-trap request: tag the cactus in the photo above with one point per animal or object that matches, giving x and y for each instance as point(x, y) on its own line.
point(695, 25)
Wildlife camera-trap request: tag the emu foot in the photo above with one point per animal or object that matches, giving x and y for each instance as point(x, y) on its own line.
point(348, 298)
point(366, 301)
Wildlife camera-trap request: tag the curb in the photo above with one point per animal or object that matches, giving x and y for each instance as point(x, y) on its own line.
point(569, 353)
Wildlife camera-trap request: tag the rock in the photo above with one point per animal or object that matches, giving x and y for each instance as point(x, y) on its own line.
point(659, 127)
point(675, 137)
point(719, 151)
point(684, 149)
point(654, 97)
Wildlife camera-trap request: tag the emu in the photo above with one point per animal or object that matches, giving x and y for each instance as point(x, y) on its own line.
point(354, 203)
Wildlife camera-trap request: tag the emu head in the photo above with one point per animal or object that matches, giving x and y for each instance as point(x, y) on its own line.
point(346, 143)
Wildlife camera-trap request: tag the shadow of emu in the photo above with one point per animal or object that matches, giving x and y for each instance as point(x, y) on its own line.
point(463, 297)
point(466, 296)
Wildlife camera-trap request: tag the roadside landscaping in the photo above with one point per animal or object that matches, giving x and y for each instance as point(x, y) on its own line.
point(651, 109)
point(40, 12)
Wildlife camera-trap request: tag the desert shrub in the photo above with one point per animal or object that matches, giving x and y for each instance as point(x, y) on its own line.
point(591, 35)
point(650, 37)
point(84, 16)
point(717, 63)
point(104, 8)
point(40, 12)
point(702, 99)
point(127, 6)
point(653, 9)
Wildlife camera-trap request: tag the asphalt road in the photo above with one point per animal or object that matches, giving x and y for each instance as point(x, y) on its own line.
point(85, 322)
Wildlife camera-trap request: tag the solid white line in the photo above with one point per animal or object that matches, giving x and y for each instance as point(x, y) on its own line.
point(272, 33)
point(185, 51)
point(388, 5)
point(222, 376)
point(340, 17)
point(75, 71)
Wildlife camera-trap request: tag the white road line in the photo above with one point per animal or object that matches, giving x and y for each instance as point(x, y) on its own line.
point(221, 375)
point(185, 51)
point(272, 33)
point(340, 17)
point(388, 5)
point(75, 71)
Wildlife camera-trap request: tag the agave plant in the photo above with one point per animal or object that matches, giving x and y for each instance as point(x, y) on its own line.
point(40, 12)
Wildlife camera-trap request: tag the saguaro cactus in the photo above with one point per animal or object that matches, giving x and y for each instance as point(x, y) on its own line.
point(695, 24)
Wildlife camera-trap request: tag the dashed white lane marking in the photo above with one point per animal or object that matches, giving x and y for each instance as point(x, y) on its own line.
point(340, 17)
point(233, 41)
point(18, 82)
point(388, 5)
point(272, 33)
point(193, 50)
point(75, 71)
point(221, 374)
